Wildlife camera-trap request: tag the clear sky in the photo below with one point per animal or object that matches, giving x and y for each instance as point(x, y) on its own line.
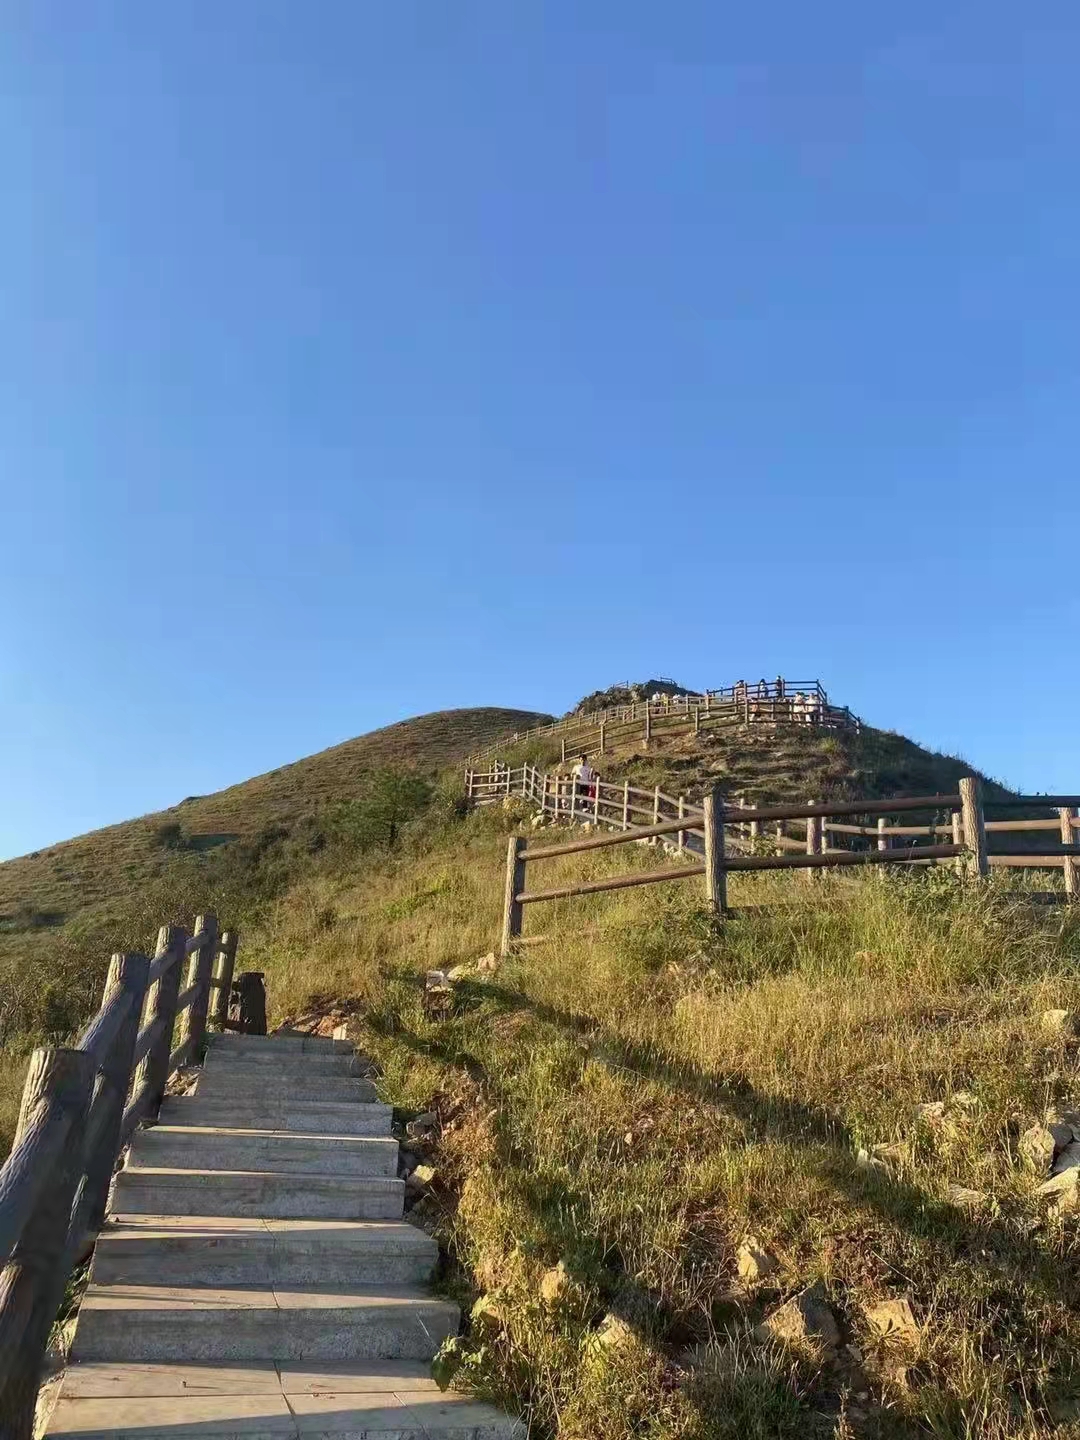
point(360, 360)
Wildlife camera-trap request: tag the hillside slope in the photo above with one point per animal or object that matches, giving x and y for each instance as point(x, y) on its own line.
point(51, 886)
point(769, 764)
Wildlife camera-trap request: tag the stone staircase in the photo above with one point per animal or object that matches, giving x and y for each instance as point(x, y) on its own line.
point(255, 1276)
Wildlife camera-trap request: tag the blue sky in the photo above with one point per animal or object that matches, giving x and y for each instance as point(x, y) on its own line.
point(358, 361)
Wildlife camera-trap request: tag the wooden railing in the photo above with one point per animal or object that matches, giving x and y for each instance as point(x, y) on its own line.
point(766, 702)
point(719, 832)
point(80, 1105)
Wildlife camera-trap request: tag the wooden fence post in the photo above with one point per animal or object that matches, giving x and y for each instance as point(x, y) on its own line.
point(32, 1283)
point(971, 807)
point(813, 842)
point(193, 1026)
point(127, 974)
point(780, 836)
point(681, 834)
point(882, 837)
point(563, 750)
point(596, 799)
point(603, 737)
point(958, 839)
point(648, 725)
point(697, 719)
point(162, 1005)
point(1068, 837)
point(515, 884)
point(656, 805)
point(468, 784)
point(223, 973)
point(626, 805)
point(715, 873)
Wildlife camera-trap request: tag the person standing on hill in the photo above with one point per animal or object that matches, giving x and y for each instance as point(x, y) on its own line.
point(584, 776)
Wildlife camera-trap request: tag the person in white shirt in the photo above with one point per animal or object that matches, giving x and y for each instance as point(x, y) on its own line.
point(584, 775)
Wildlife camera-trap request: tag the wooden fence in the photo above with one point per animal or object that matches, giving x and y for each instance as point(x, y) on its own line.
point(79, 1107)
point(732, 838)
point(773, 702)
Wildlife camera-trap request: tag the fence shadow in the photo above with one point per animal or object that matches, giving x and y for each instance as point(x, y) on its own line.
point(982, 1240)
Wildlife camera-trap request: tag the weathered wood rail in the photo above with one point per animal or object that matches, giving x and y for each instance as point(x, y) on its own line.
point(80, 1105)
point(774, 702)
point(719, 831)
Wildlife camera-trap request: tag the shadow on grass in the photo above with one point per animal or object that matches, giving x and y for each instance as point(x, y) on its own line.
point(778, 1412)
point(983, 1241)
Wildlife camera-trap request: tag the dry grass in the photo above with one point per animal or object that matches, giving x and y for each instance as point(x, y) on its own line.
point(639, 1094)
point(59, 882)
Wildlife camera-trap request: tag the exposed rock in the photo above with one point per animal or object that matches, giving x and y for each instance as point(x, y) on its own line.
point(437, 980)
point(421, 1178)
point(890, 1153)
point(894, 1320)
point(1066, 1171)
point(487, 964)
point(1062, 1133)
point(487, 1316)
point(457, 972)
point(1064, 1125)
point(556, 1285)
point(964, 1100)
point(930, 1112)
point(423, 1125)
point(966, 1199)
point(805, 1322)
point(613, 1333)
point(1036, 1149)
point(755, 1262)
point(1060, 1023)
point(865, 1161)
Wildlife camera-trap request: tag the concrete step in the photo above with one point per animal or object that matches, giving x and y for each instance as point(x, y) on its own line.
point(252, 1082)
point(285, 1062)
point(231, 1193)
point(302, 1044)
point(271, 1112)
point(211, 1250)
point(380, 1400)
point(186, 1323)
point(182, 1147)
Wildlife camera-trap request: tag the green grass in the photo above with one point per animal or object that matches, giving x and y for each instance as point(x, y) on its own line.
point(638, 1093)
point(64, 909)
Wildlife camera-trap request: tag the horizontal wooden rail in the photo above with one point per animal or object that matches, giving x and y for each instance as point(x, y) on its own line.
point(843, 857)
point(601, 842)
point(103, 1029)
point(702, 831)
point(844, 807)
point(616, 882)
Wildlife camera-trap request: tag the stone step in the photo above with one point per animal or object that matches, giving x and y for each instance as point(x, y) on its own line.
point(210, 1250)
point(285, 1062)
point(252, 1082)
point(380, 1400)
point(277, 1113)
point(186, 1323)
point(230, 1193)
point(301, 1044)
point(182, 1147)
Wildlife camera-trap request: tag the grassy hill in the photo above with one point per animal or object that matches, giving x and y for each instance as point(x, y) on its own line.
point(768, 764)
point(64, 909)
point(835, 1083)
point(54, 885)
point(653, 1135)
